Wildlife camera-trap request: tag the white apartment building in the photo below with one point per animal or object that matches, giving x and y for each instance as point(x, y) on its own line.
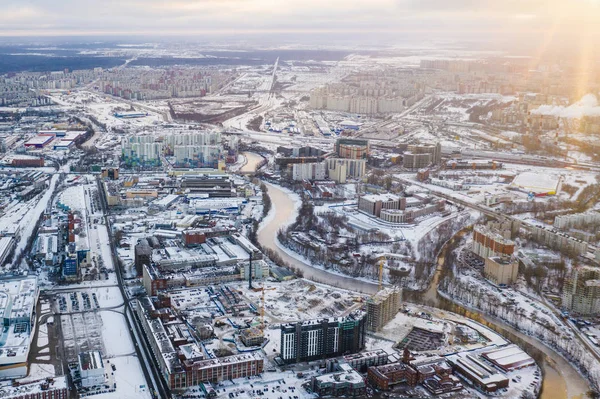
point(308, 171)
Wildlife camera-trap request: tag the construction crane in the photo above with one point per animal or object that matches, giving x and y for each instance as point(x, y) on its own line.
point(250, 272)
point(381, 262)
point(262, 310)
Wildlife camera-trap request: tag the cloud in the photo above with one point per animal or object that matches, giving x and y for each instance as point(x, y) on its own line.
point(587, 106)
point(181, 16)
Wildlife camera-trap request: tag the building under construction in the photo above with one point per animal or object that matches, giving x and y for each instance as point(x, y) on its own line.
point(383, 307)
point(252, 336)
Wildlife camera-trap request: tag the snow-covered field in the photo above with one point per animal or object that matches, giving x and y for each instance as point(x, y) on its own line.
point(130, 380)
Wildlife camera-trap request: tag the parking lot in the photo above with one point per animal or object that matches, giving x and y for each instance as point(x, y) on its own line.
point(78, 301)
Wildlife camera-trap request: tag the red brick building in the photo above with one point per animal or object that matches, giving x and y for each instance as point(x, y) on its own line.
point(384, 377)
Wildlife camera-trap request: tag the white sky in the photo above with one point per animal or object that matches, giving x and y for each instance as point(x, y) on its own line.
point(196, 17)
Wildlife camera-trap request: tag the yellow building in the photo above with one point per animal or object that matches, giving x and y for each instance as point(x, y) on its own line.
point(501, 270)
point(131, 181)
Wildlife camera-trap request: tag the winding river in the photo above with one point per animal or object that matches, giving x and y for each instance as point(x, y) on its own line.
point(252, 162)
point(561, 380)
point(285, 213)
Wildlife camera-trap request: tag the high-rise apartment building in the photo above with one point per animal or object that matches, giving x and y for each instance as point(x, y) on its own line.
point(383, 307)
point(341, 169)
point(581, 291)
point(422, 155)
point(308, 171)
point(197, 155)
point(501, 270)
point(141, 150)
point(322, 338)
point(487, 243)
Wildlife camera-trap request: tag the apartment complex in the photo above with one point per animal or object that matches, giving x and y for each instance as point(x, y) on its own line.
point(489, 243)
point(204, 156)
point(197, 149)
point(577, 220)
point(141, 150)
point(352, 148)
point(501, 270)
point(191, 139)
point(581, 291)
point(342, 169)
point(322, 338)
point(309, 171)
point(394, 209)
point(383, 307)
point(422, 155)
point(356, 100)
point(558, 241)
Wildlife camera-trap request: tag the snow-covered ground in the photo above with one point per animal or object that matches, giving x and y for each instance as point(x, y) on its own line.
point(130, 380)
point(115, 334)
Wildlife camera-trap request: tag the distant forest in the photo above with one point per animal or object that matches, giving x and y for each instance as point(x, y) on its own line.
point(21, 58)
point(39, 63)
point(253, 57)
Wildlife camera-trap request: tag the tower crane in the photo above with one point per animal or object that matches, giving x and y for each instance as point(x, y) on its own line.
point(262, 310)
point(381, 262)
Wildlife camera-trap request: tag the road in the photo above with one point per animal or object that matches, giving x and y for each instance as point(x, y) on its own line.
point(144, 353)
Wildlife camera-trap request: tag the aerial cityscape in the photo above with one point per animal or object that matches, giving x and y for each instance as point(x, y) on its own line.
point(232, 200)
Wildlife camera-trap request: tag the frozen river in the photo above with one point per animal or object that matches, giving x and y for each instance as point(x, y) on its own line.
point(282, 214)
point(561, 380)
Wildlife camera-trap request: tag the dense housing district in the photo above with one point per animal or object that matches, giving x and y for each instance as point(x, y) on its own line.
point(288, 224)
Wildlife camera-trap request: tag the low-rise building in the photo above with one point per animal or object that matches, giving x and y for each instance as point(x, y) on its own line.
point(252, 336)
point(344, 381)
point(472, 368)
point(184, 368)
point(363, 360)
point(49, 388)
point(508, 358)
point(18, 299)
point(91, 369)
point(373, 204)
point(7, 245)
point(386, 376)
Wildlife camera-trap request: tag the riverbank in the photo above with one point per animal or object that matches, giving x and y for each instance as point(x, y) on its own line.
point(252, 160)
point(562, 380)
point(283, 212)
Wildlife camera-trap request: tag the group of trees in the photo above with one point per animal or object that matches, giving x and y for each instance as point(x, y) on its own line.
point(380, 178)
point(267, 205)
